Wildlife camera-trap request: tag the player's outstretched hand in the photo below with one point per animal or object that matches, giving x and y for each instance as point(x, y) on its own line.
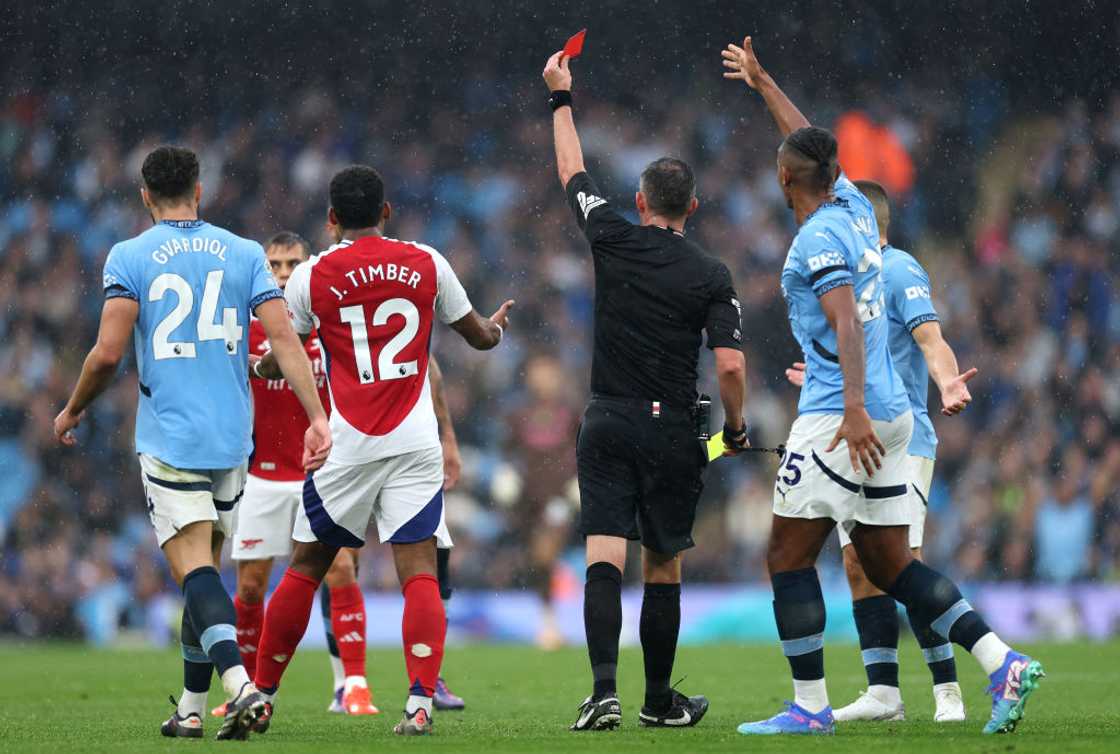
point(742, 64)
point(64, 424)
point(501, 317)
point(864, 446)
point(556, 74)
point(955, 397)
point(796, 374)
point(316, 444)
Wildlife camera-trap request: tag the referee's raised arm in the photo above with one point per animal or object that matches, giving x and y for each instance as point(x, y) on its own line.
point(642, 445)
point(569, 155)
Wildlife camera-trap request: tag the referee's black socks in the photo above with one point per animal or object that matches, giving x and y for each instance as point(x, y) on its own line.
point(660, 625)
point(602, 621)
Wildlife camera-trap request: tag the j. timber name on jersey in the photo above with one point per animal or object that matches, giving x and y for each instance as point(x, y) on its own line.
point(588, 202)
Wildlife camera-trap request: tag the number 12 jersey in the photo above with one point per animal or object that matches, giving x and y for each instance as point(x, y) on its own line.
point(373, 302)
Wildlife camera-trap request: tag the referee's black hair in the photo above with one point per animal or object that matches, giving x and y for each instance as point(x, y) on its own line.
point(170, 173)
point(819, 147)
point(357, 194)
point(669, 186)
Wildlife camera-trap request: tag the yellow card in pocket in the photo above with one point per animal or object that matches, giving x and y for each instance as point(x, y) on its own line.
point(715, 446)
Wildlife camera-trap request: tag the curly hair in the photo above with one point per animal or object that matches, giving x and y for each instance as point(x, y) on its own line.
point(170, 173)
point(357, 193)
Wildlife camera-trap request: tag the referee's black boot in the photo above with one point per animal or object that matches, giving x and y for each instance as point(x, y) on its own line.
point(600, 714)
point(684, 712)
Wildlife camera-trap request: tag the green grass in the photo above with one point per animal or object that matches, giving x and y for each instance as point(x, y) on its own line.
point(70, 698)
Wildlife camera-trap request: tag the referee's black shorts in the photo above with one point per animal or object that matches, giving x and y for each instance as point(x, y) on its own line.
point(639, 475)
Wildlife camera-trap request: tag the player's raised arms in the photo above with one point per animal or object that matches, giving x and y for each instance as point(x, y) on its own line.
point(743, 65)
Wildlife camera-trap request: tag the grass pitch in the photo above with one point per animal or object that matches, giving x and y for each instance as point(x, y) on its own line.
point(62, 698)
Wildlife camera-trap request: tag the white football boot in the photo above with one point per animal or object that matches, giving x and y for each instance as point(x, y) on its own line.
point(950, 703)
point(870, 707)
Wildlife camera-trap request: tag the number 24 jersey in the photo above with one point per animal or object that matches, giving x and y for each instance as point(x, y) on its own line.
point(196, 285)
point(373, 302)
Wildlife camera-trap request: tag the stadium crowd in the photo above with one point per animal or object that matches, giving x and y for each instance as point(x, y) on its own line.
point(1022, 247)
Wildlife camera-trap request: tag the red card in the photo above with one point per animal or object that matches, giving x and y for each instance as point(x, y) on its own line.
point(574, 46)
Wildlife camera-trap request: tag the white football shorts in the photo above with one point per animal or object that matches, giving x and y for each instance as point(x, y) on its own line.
point(178, 497)
point(265, 519)
point(403, 494)
point(921, 478)
point(815, 483)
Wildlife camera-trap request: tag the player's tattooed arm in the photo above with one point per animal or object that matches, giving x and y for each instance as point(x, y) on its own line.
point(118, 317)
point(287, 350)
point(943, 368)
point(483, 333)
point(864, 446)
point(743, 64)
point(452, 463)
point(569, 154)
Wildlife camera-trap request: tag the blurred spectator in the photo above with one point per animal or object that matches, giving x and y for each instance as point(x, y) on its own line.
point(1064, 524)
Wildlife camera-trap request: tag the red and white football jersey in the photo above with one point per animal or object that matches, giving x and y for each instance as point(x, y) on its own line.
point(373, 302)
point(279, 420)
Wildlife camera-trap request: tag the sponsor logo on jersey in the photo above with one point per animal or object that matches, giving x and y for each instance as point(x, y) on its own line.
point(588, 202)
point(827, 259)
point(917, 291)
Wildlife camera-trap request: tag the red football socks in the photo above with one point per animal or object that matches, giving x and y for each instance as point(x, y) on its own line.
point(250, 618)
point(348, 622)
point(285, 622)
point(424, 628)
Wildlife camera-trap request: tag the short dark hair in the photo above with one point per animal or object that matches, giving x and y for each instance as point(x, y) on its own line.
point(669, 186)
point(288, 238)
point(877, 195)
point(170, 173)
point(357, 195)
point(817, 146)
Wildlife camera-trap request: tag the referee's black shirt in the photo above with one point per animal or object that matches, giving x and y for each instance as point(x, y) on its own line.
point(655, 293)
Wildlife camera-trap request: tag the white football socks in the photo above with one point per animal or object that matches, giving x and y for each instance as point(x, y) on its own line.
point(337, 671)
point(418, 702)
point(234, 679)
point(192, 703)
point(811, 696)
point(352, 681)
point(990, 652)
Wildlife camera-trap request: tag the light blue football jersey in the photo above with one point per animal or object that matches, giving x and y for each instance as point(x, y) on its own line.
point(196, 285)
point(909, 305)
point(839, 245)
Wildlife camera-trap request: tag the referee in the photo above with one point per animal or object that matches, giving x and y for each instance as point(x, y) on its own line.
point(640, 454)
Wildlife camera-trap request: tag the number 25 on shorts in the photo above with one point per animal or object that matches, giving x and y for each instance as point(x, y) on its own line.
point(790, 471)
